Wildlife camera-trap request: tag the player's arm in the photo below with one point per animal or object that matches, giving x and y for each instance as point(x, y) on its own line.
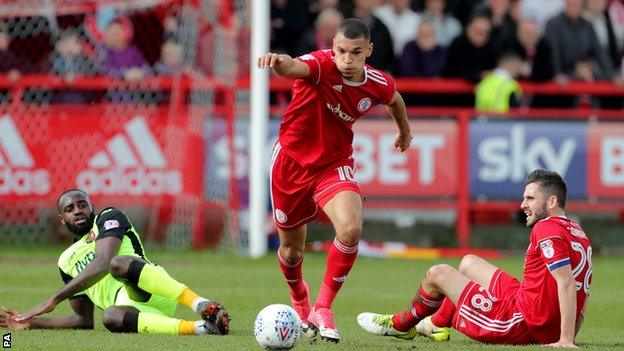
point(396, 109)
point(566, 292)
point(284, 65)
point(81, 319)
point(105, 249)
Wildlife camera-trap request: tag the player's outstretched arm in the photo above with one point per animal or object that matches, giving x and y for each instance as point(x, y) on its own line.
point(283, 65)
point(81, 319)
point(105, 249)
point(566, 291)
point(396, 109)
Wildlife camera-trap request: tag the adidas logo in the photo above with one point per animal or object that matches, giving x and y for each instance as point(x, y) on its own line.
point(340, 279)
point(131, 164)
point(338, 87)
point(18, 175)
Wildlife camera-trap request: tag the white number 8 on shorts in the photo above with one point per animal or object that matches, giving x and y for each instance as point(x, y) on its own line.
point(482, 303)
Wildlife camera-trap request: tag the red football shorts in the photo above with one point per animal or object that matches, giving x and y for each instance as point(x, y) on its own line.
point(491, 316)
point(298, 194)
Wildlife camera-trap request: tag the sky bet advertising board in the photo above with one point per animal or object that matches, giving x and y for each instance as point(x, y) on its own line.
point(590, 156)
point(427, 168)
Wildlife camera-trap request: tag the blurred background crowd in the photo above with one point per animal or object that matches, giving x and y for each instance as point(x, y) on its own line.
point(541, 40)
point(556, 39)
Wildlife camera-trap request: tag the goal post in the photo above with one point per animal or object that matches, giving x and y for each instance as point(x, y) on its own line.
point(258, 131)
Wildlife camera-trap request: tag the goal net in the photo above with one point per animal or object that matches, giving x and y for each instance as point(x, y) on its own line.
point(135, 102)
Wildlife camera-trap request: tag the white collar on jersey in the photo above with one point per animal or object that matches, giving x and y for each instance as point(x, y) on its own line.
point(357, 84)
point(561, 216)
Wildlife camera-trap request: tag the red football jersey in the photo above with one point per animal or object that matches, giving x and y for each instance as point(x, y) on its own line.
point(555, 242)
point(317, 126)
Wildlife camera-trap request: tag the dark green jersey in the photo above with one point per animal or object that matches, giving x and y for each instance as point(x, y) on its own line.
point(109, 222)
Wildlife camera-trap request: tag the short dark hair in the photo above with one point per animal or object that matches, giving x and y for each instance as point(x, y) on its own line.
point(353, 28)
point(551, 183)
point(67, 192)
point(477, 16)
point(508, 55)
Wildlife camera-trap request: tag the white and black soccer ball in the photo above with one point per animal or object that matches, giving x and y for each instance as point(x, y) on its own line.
point(277, 327)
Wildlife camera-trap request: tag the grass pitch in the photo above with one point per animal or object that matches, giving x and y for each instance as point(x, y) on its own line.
point(244, 286)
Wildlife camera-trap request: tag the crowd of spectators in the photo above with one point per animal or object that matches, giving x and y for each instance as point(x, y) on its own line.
point(559, 40)
point(108, 42)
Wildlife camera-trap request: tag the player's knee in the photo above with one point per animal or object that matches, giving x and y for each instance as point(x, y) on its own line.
point(466, 263)
point(113, 320)
point(350, 234)
point(119, 266)
point(291, 254)
point(438, 272)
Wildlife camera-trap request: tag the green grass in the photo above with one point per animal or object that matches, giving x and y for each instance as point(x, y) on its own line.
point(244, 286)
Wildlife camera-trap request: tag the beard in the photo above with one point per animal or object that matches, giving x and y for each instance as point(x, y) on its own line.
point(81, 229)
point(538, 216)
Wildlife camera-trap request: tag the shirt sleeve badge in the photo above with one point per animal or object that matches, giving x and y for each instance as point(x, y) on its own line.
point(547, 248)
point(111, 224)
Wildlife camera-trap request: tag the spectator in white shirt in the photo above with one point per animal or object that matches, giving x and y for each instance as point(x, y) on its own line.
point(447, 27)
point(400, 20)
point(541, 10)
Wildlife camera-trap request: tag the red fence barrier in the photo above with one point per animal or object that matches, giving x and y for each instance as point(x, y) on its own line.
point(462, 199)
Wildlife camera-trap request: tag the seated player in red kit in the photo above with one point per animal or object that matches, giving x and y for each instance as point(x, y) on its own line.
point(487, 304)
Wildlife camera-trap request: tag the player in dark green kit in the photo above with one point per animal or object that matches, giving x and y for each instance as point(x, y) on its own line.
point(107, 267)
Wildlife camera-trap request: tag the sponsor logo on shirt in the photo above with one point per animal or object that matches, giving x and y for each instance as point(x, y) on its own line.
point(364, 104)
point(338, 111)
point(110, 224)
point(81, 264)
point(338, 87)
point(547, 248)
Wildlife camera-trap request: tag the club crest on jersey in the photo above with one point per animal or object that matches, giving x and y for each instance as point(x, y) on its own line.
point(547, 248)
point(364, 104)
point(280, 216)
point(91, 237)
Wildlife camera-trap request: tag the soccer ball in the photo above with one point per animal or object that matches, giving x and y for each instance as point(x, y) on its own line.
point(277, 327)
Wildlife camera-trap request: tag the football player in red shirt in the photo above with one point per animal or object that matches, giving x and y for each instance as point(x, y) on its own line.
point(312, 167)
point(487, 304)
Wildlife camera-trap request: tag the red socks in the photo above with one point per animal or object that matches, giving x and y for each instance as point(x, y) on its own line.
point(443, 317)
point(340, 259)
point(294, 277)
point(423, 305)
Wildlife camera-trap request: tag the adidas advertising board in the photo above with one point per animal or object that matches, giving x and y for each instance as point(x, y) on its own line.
point(107, 156)
point(131, 163)
point(19, 174)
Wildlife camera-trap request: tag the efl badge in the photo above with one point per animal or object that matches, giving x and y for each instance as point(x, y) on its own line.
point(364, 104)
point(111, 224)
point(547, 248)
point(306, 57)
